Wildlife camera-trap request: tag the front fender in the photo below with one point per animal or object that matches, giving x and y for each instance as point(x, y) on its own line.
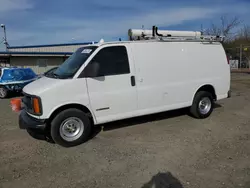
point(71, 105)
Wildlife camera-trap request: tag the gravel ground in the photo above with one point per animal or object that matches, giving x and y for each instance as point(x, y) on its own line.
point(167, 148)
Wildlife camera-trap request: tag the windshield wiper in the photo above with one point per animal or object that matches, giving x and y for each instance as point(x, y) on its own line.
point(61, 76)
point(55, 75)
point(65, 76)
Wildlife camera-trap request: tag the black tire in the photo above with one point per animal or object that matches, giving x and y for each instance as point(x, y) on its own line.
point(196, 111)
point(3, 92)
point(56, 124)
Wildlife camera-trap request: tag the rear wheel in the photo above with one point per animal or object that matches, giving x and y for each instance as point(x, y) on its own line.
point(203, 105)
point(3, 92)
point(70, 127)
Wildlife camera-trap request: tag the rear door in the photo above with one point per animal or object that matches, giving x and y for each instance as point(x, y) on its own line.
point(113, 95)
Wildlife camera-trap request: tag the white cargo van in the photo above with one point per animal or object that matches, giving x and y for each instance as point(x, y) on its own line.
point(152, 72)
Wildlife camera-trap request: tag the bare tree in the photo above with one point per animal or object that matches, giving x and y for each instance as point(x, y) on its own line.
point(244, 33)
point(242, 42)
point(226, 27)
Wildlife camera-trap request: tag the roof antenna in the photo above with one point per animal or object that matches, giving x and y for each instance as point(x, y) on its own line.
point(143, 33)
point(101, 41)
point(202, 29)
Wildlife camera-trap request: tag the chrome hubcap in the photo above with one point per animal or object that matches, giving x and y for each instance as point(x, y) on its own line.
point(71, 129)
point(205, 105)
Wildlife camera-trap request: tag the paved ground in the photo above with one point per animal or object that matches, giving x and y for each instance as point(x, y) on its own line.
point(165, 148)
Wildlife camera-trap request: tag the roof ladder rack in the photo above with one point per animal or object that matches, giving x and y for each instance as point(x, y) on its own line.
point(169, 35)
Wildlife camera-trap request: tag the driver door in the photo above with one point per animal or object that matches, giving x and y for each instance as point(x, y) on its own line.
point(113, 93)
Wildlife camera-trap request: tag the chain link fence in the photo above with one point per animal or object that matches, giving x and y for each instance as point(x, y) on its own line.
point(239, 57)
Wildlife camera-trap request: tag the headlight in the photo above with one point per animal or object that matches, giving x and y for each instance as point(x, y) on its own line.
point(32, 104)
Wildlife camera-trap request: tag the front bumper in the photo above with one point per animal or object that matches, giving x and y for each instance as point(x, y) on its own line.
point(26, 121)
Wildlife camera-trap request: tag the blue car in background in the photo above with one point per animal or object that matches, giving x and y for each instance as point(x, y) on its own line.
point(13, 79)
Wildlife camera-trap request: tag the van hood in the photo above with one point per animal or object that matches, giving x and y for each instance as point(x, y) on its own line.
point(41, 85)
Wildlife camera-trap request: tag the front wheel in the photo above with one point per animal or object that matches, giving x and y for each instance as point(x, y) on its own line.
point(3, 92)
point(203, 105)
point(70, 127)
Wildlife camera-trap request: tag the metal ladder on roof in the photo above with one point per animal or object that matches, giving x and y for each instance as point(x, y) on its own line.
point(170, 35)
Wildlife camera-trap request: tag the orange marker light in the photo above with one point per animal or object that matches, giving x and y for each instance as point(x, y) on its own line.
point(36, 105)
point(15, 104)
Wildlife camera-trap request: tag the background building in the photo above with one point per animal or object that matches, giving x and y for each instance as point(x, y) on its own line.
point(40, 58)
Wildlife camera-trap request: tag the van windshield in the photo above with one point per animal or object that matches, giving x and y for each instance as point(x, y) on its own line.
point(73, 63)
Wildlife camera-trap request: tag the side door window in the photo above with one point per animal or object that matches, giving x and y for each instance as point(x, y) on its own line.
point(112, 60)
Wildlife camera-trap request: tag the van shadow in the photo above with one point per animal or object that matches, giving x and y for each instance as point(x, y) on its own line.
point(142, 119)
point(163, 180)
point(40, 135)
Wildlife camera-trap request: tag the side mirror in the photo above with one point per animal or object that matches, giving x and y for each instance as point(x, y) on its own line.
point(92, 70)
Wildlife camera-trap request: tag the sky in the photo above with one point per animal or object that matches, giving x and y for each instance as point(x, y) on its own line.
point(34, 22)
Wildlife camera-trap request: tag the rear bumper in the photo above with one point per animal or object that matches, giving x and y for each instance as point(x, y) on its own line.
point(26, 121)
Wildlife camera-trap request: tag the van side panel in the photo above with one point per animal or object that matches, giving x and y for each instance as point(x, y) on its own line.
point(169, 73)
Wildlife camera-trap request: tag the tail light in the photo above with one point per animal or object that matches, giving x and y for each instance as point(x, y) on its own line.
point(228, 60)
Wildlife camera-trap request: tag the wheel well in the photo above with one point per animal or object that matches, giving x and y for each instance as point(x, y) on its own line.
point(209, 89)
point(67, 106)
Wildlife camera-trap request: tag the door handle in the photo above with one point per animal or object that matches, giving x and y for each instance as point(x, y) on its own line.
point(132, 78)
